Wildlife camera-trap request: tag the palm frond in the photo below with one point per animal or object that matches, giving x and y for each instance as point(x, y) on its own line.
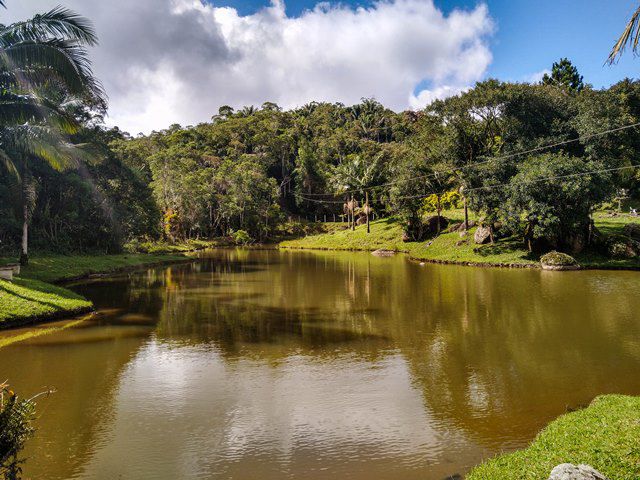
point(57, 23)
point(8, 164)
point(31, 64)
point(630, 36)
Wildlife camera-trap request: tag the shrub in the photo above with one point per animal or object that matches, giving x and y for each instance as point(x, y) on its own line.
point(16, 417)
point(241, 237)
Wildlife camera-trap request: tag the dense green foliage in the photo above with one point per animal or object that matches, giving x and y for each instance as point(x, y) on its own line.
point(16, 418)
point(534, 159)
point(604, 435)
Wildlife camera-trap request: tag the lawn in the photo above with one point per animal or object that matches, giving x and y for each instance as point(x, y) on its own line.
point(604, 435)
point(54, 268)
point(386, 234)
point(32, 296)
point(28, 298)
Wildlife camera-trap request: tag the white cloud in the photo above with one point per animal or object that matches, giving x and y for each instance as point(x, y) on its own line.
point(168, 61)
point(426, 96)
point(537, 76)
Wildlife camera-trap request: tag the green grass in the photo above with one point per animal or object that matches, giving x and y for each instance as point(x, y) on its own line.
point(191, 245)
point(25, 298)
point(604, 435)
point(386, 234)
point(54, 268)
point(31, 296)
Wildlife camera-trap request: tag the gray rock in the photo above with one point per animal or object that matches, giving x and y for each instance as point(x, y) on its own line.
point(383, 253)
point(632, 230)
point(482, 235)
point(568, 471)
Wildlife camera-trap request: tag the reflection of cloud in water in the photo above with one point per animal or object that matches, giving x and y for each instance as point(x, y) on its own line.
point(225, 419)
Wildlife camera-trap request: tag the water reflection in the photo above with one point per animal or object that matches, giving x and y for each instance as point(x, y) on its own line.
point(250, 364)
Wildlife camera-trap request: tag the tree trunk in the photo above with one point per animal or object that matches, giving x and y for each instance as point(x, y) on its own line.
point(24, 253)
point(353, 213)
point(367, 211)
point(438, 219)
point(466, 215)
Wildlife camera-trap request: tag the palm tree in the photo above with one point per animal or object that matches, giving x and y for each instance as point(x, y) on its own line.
point(45, 75)
point(630, 36)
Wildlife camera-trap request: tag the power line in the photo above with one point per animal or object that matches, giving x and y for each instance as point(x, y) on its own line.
point(476, 164)
point(502, 185)
point(535, 180)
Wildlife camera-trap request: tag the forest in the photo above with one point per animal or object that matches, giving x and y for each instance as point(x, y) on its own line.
point(530, 160)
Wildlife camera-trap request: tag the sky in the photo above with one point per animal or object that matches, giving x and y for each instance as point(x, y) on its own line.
point(177, 61)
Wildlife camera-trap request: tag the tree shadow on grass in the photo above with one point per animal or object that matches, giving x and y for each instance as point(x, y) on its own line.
point(40, 289)
point(504, 247)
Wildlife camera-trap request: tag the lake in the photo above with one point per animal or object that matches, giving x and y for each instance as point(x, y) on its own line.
point(250, 364)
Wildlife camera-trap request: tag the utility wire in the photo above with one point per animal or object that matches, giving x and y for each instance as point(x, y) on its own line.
point(502, 185)
point(476, 164)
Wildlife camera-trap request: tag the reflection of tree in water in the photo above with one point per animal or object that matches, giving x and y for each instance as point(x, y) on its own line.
point(499, 352)
point(86, 373)
point(503, 352)
point(496, 352)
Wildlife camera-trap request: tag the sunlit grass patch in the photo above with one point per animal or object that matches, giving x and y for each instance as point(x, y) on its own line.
point(604, 435)
point(28, 298)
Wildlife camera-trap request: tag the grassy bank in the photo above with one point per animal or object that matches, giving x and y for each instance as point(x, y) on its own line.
point(386, 234)
point(28, 298)
point(604, 435)
point(32, 296)
point(56, 268)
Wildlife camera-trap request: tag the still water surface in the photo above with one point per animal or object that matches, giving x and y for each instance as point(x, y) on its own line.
point(273, 365)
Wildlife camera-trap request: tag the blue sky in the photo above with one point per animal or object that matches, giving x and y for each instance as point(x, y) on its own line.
point(531, 35)
point(178, 61)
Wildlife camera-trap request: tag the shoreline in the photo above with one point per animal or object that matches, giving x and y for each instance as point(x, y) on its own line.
point(28, 288)
point(463, 263)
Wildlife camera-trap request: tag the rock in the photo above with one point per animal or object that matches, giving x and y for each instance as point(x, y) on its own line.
point(632, 230)
point(459, 243)
point(454, 227)
point(619, 246)
point(405, 237)
point(558, 261)
point(472, 223)
point(568, 471)
point(383, 253)
point(431, 224)
point(482, 235)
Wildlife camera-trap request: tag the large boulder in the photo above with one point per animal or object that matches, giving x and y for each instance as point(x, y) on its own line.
point(482, 235)
point(632, 230)
point(431, 224)
point(558, 261)
point(568, 471)
point(620, 246)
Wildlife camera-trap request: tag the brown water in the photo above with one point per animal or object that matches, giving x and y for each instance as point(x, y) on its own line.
point(275, 365)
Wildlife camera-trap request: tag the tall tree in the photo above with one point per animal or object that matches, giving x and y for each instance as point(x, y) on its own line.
point(44, 74)
point(564, 74)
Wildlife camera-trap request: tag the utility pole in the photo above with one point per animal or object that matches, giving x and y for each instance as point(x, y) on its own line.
point(366, 211)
